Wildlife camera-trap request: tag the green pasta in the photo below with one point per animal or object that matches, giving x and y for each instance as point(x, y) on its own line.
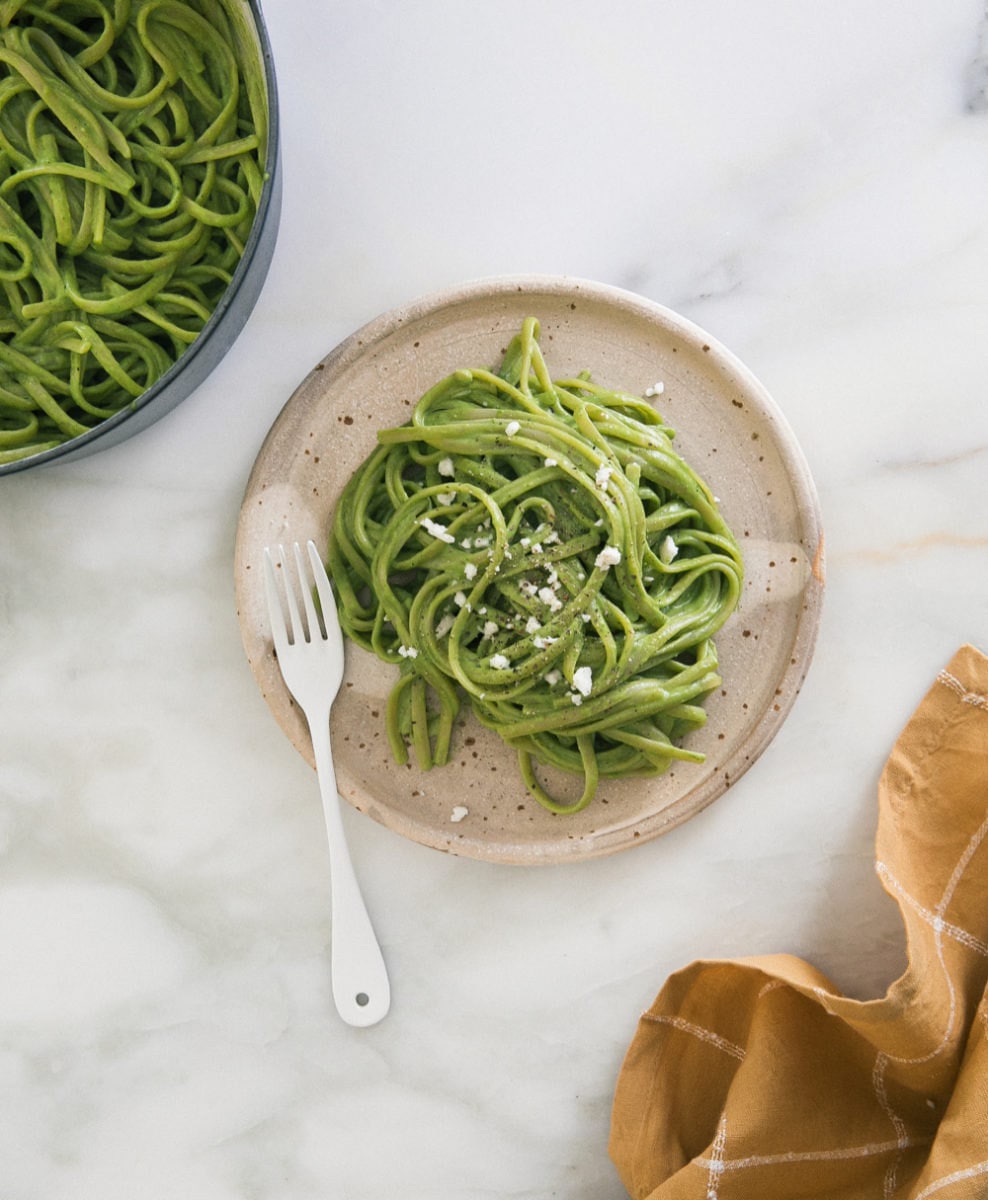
point(132, 147)
point(539, 548)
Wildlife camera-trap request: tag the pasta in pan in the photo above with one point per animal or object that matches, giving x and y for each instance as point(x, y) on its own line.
point(537, 547)
point(132, 143)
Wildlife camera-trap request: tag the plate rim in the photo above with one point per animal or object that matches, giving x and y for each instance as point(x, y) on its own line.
point(745, 751)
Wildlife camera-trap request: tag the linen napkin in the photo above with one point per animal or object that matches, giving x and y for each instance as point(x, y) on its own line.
point(756, 1079)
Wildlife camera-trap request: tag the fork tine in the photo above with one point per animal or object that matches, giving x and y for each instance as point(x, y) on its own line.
point(295, 619)
point(275, 611)
point(311, 616)
point(327, 600)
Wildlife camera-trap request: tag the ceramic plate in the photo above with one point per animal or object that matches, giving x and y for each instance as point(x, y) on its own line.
point(727, 428)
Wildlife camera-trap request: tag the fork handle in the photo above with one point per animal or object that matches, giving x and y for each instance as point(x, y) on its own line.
point(361, 989)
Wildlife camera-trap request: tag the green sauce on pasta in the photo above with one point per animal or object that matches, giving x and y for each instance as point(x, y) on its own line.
point(132, 147)
point(537, 547)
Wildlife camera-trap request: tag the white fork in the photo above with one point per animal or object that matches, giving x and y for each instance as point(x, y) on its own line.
point(310, 655)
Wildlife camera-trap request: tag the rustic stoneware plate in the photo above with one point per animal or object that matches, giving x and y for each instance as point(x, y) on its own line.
point(727, 428)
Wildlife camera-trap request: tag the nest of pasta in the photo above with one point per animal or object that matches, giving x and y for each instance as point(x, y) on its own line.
point(537, 548)
point(132, 148)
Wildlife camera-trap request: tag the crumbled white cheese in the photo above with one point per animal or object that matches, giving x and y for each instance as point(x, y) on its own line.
point(552, 462)
point(540, 642)
point(512, 428)
point(655, 390)
point(446, 498)
point(470, 570)
point(576, 698)
point(533, 625)
point(445, 625)
point(446, 468)
point(583, 680)
point(408, 652)
point(458, 813)
point(668, 550)
point(460, 598)
point(527, 587)
point(551, 538)
point(525, 542)
point(604, 473)
point(610, 556)
point(490, 628)
point(536, 547)
point(552, 677)
point(437, 530)
point(500, 662)
point(482, 542)
point(549, 597)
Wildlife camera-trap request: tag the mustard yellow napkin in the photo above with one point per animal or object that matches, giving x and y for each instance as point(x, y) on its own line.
point(755, 1079)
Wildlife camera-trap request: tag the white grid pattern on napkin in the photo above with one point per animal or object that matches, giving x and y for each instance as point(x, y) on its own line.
point(697, 1031)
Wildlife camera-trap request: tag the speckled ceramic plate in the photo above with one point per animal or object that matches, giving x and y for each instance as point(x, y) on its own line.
point(726, 426)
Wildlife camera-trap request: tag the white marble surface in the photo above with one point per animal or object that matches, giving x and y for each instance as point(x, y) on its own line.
point(807, 182)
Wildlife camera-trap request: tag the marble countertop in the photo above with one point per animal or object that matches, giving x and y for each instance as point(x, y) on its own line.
point(806, 182)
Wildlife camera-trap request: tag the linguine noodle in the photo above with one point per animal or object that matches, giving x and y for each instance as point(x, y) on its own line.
point(538, 548)
point(132, 144)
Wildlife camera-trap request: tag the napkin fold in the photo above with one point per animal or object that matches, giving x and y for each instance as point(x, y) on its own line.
point(754, 1078)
